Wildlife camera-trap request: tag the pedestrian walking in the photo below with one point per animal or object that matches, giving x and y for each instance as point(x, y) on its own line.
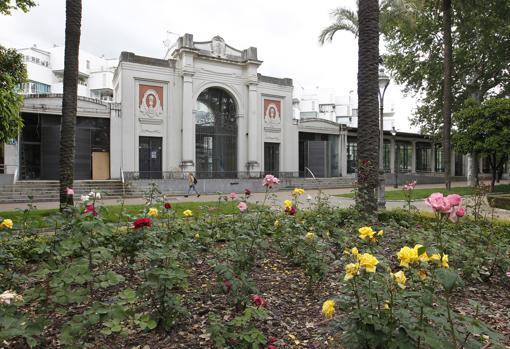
point(192, 182)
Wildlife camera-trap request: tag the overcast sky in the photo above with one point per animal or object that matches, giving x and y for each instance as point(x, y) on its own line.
point(284, 31)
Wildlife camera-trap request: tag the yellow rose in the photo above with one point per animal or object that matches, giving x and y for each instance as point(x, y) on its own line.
point(351, 270)
point(328, 308)
point(407, 256)
point(400, 279)
point(153, 212)
point(6, 223)
point(310, 236)
point(422, 274)
point(365, 232)
point(386, 306)
point(287, 203)
point(354, 251)
point(367, 261)
point(436, 257)
point(444, 261)
point(380, 232)
point(277, 223)
point(424, 256)
point(197, 236)
point(297, 192)
point(188, 213)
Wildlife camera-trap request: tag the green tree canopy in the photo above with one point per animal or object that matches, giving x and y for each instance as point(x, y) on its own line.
point(485, 129)
point(12, 73)
point(481, 47)
point(7, 6)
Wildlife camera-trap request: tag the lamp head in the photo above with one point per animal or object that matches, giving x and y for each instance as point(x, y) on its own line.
point(384, 79)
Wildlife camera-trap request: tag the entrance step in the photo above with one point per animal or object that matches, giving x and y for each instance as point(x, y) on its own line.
point(40, 191)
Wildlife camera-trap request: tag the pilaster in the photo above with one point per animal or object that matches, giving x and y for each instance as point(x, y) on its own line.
point(188, 139)
point(254, 130)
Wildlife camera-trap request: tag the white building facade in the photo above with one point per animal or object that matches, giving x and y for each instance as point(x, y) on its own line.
point(204, 109)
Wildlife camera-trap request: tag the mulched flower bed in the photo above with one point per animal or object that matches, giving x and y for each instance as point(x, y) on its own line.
point(295, 317)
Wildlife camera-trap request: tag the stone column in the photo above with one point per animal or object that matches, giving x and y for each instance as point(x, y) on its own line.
point(254, 130)
point(392, 155)
point(188, 139)
point(413, 157)
point(433, 159)
point(343, 152)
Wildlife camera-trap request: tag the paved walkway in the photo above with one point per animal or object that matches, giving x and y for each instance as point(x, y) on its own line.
point(275, 199)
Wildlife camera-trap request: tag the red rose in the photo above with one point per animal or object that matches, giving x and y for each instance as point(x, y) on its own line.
point(227, 286)
point(271, 339)
point(258, 300)
point(91, 209)
point(291, 210)
point(142, 222)
point(168, 205)
point(271, 347)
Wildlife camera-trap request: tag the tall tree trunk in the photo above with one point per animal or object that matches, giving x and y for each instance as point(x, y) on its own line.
point(69, 99)
point(368, 103)
point(494, 170)
point(447, 88)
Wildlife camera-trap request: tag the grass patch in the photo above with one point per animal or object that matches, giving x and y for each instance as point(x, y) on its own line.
point(110, 213)
point(422, 193)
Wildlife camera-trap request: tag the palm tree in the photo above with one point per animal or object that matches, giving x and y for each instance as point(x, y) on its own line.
point(447, 88)
point(69, 99)
point(389, 12)
point(405, 12)
point(368, 103)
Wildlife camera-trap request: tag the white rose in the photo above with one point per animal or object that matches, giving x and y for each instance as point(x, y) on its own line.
point(84, 198)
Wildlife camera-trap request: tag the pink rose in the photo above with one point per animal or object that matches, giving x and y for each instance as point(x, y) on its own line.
point(270, 180)
point(69, 191)
point(508, 274)
point(242, 206)
point(438, 203)
point(91, 209)
point(454, 199)
point(233, 196)
point(460, 212)
point(258, 301)
point(227, 286)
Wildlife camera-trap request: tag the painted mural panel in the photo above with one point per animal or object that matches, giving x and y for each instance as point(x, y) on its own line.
point(150, 100)
point(272, 111)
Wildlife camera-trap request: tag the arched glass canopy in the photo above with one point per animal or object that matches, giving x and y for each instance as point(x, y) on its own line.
point(216, 134)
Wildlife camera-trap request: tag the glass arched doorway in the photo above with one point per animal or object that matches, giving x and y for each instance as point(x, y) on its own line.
point(216, 134)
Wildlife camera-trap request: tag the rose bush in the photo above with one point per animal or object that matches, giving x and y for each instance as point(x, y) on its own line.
point(92, 282)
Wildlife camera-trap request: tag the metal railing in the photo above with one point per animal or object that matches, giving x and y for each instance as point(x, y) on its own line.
point(174, 175)
point(3, 170)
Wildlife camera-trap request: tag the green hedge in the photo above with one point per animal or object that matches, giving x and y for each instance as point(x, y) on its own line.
point(499, 201)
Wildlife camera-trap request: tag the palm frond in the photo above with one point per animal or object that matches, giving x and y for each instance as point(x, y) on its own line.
point(345, 19)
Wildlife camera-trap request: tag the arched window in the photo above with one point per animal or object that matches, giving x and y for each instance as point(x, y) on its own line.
point(216, 134)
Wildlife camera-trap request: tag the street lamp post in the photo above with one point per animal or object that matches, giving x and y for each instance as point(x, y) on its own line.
point(384, 81)
point(397, 152)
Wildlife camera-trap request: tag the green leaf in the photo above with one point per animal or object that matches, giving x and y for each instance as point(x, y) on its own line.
point(448, 278)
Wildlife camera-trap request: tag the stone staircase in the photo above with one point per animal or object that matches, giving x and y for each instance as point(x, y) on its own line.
point(40, 191)
point(47, 191)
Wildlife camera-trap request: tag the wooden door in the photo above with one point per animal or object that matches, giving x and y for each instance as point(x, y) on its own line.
point(100, 165)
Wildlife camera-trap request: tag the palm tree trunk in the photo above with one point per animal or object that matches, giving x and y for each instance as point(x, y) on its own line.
point(368, 103)
point(69, 99)
point(447, 88)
